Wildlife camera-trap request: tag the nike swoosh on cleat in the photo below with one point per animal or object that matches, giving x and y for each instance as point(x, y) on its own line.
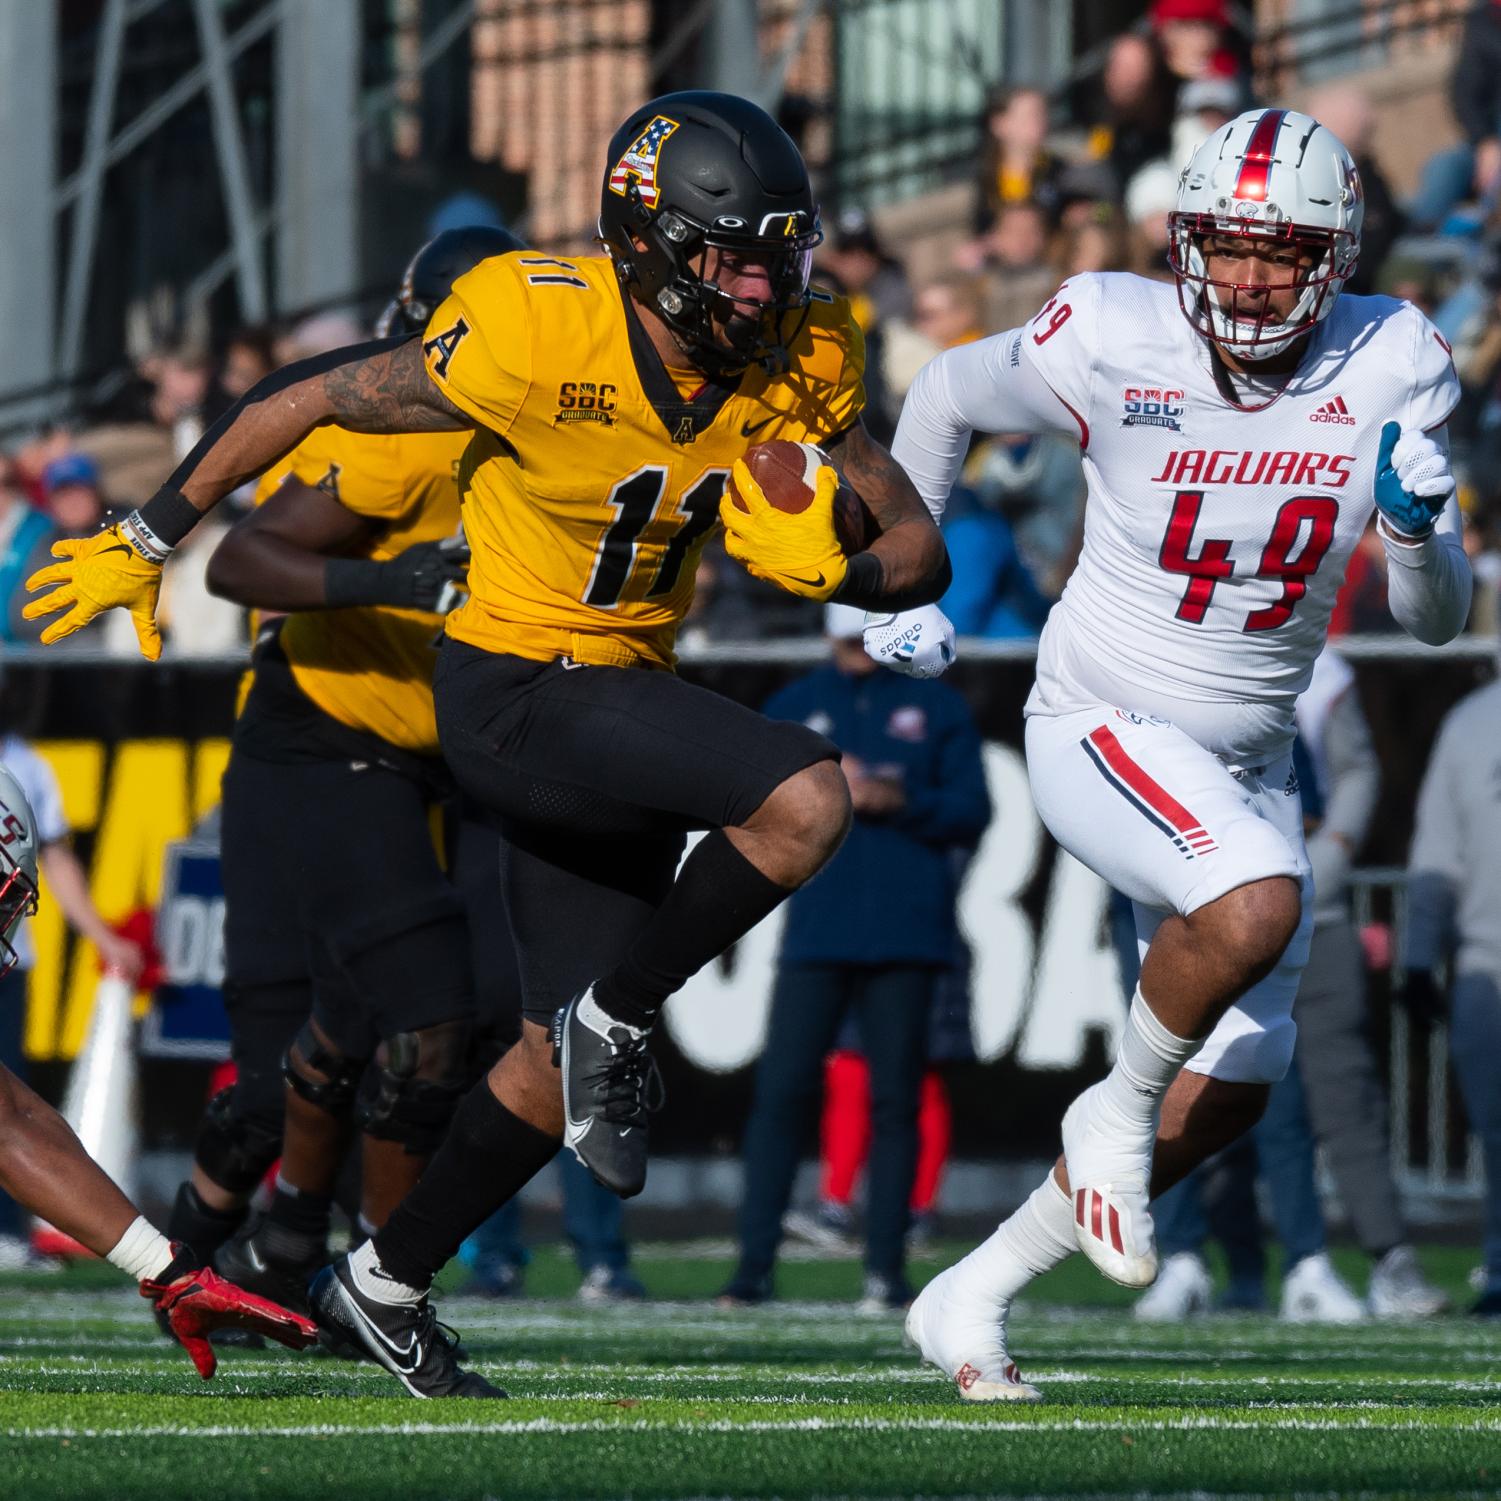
point(747, 428)
point(408, 1356)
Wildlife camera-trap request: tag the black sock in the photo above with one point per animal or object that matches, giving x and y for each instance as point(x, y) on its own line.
point(298, 1221)
point(718, 897)
point(484, 1160)
point(199, 1226)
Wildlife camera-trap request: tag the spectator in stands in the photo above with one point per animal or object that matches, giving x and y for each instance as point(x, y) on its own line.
point(1035, 484)
point(1204, 104)
point(1097, 242)
point(947, 311)
point(993, 593)
point(1150, 198)
point(1345, 1092)
point(25, 546)
point(1132, 122)
point(1453, 950)
point(180, 381)
point(874, 280)
point(249, 356)
point(74, 498)
point(1472, 169)
point(1016, 272)
point(1197, 40)
point(29, 459)
point(1016, 165)
point(913, 760)
point(317, 335)
point(67, 885)
point(1347, 110)
point(950, 311)
point(855, 262)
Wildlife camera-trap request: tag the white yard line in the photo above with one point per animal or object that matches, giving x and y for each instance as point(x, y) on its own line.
point(978, 1424)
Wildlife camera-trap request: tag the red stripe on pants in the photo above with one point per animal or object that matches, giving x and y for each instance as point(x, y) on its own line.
point(1141, 782)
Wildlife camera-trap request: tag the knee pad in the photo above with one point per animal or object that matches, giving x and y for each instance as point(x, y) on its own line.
point(235, 1150)
point(412, 1093)
point(335, 1092)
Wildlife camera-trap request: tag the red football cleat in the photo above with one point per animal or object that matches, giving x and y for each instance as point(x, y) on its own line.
point(200, 1301)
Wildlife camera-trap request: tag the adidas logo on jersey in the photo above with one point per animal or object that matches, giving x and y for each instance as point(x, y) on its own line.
point(1333, 411)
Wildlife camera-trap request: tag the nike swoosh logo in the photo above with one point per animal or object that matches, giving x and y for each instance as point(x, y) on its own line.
point(409, 1355)
point(813, 583)
point(254, 1256)
point(747, 428)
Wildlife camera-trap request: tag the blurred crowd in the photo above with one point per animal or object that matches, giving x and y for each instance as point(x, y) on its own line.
point(1069, 179)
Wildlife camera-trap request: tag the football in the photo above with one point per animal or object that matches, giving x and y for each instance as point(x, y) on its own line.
point(785, 472)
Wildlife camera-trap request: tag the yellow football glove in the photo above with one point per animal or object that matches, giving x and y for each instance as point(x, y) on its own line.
point(797, 552)
point(98, 573)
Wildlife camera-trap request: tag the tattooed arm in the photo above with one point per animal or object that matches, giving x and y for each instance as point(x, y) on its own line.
point(379, 387)
point(907, 563)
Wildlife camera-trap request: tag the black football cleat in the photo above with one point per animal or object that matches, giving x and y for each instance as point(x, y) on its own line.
point(405, 1338)
point(610, 1085)
point(265, 1259)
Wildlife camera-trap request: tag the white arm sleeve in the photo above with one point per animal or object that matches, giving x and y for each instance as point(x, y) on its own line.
point(1008, 383)
point(1429, 585)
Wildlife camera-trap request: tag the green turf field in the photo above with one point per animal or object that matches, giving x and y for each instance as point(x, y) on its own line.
point(803, 1398)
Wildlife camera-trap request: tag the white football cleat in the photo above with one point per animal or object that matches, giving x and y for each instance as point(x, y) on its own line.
point(1182, 1291)
point(967, 1341)
point(1314, 1293)
point(1108, 1171)
point(1399, 1290)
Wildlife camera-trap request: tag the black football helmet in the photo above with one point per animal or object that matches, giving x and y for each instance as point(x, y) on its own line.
point(431, 273)
point(696, 171)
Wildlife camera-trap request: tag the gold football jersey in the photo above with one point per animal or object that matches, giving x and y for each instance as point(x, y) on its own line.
point(595, 477)
point(371, 666)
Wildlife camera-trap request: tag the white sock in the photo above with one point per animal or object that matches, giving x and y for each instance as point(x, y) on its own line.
point(1033, 1241)
point(143, 1252)
point(376, 1282)
point(1149, 1060)
point(597, 1019)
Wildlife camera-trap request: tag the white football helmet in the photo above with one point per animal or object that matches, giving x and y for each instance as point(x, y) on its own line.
point(18, 878)
point(1268, 174)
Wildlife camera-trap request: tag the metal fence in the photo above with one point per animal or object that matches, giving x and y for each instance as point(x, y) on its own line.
point(1322, 38)
point(1436, 1159)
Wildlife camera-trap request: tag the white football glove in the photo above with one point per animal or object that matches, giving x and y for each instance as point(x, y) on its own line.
point(916, 643)
point(1413, 481)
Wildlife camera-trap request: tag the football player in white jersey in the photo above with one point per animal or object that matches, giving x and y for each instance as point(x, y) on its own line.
point(1237, 434)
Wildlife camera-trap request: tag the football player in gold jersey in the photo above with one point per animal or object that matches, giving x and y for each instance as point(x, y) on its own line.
point(610, 398)
point(347, 960)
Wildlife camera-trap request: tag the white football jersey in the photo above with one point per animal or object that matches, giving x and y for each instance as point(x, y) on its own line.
point(1215, 538)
